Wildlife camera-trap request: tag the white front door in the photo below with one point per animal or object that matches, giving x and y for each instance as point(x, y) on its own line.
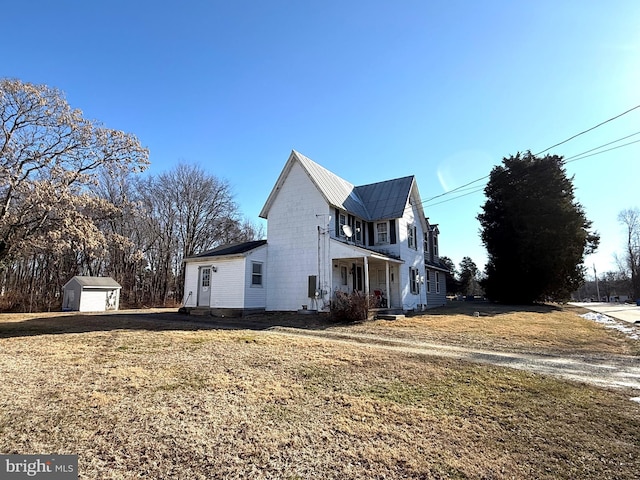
point(204, 287)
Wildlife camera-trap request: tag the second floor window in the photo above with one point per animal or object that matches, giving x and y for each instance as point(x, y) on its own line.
point(411, 237)
point(381, 233)
point(342, 220)
point(435, 245)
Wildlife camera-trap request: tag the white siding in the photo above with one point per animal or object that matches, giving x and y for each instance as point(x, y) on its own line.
point(413, 258)
point(293, 241)
point(72, 295)
point(256, 296)
point(191, 282)
point(227, 283)
point(93, 301)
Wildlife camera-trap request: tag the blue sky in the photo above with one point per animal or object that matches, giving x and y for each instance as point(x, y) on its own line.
point(370, 90)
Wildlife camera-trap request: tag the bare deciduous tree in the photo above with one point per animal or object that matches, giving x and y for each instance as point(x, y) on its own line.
point(49, 156)
point(630, 218)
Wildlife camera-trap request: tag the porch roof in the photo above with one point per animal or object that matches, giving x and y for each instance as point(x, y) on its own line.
point(340, 249)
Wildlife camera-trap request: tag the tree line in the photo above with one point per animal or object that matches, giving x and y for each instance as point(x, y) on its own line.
point(74, 201)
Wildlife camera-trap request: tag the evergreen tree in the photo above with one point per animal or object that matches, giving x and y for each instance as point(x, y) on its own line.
point(453, 285)
point(535, 232)
point(469, 277)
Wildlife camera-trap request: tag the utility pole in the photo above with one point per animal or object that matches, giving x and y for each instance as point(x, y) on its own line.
point(596, 277)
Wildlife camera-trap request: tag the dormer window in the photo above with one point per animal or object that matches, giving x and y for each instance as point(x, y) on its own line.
point(435, 244)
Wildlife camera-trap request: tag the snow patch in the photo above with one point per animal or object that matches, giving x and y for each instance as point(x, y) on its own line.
point(631, 332)
point(635, 399)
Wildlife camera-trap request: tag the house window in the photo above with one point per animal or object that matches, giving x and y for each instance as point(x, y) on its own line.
point(358, 232)
point(256, 274)
point(342, 221)
point(343, 275)
point(435, 245)
point(427, 275)
point(426, 243)
point(206, 277)
point(437, 282)
point(411, 237)
point(381, 232)
point(414, 280)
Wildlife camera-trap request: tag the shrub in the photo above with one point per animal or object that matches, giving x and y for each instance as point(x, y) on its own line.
point(351, 307)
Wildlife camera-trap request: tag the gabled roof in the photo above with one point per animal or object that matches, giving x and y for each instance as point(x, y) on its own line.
point(376, 201)
point(386, 199)
point(234, 249)
point(94, 282)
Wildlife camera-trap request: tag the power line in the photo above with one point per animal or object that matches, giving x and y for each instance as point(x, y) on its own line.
point(479, 189)
point(605, 145)
point(455, 189)
point(574, 159)
point(571, 159)
point(568, 160)
point(588, 130)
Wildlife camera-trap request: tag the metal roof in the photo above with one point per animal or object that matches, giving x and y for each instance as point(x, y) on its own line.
point(95, 282)
point(234, 249)
point(386, 199)
point(336, 190)
point(376, 201)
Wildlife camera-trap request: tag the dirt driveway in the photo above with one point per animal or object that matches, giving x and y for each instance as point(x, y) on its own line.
point(611, 371)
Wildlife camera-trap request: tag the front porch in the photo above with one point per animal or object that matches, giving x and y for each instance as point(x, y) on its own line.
point(356, 269)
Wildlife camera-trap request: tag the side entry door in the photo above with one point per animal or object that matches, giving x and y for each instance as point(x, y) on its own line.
point(204, 287)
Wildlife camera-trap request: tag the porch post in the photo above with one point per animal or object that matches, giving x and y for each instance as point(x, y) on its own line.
point(388, 284)
point(366, 276)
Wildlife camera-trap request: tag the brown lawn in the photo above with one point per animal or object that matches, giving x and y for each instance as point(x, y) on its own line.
point(149, 397)
point(542, 329)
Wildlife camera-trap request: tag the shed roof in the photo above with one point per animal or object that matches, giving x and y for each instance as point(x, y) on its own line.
point(94, 282)
point(233, 249)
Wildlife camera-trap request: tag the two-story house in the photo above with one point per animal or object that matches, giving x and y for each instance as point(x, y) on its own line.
point(326, 235)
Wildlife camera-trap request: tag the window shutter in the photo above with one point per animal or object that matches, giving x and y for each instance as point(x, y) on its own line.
point(392, 231)
point(370, 233)
point(336, 216)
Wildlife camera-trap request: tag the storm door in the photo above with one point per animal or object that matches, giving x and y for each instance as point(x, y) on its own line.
point(204, 287)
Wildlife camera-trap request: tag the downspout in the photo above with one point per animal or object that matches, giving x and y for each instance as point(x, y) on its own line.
point(388, 283)
point(366, 276)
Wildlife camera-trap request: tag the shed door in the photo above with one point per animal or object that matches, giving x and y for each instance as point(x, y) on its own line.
point(204, 287)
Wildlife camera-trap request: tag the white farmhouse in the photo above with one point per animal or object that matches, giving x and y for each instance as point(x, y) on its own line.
point(326, 235)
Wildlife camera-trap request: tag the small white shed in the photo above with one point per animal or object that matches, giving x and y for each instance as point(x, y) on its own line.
point(91, 294)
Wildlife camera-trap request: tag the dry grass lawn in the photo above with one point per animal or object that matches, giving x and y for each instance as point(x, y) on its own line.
point(138, 398)
point(542, 328)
